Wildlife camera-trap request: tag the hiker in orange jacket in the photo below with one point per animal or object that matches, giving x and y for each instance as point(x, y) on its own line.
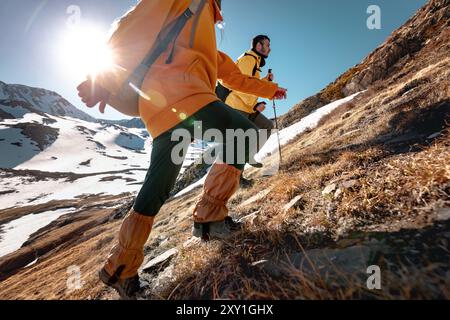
point(178, 89)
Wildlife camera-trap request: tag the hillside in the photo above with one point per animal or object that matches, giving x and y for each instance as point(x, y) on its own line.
point(365, 181)
point(392, 58)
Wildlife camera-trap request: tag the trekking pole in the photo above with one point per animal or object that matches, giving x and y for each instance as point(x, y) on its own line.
point(276, 124)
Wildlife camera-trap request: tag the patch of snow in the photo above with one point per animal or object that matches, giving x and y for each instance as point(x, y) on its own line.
point(21, 151)
point(38, 192)
point(188, 189)
point(309, 122)
point(17, 232)
point(79, 141)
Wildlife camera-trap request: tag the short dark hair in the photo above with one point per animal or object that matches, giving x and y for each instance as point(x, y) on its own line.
point(258, 39)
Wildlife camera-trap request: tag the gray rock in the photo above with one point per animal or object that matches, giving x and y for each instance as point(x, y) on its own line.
point(338, 193)
point(434, 135)
point(164, 242)
point(443, 214)
point(255, 198)
point(349, 184)
point(329, 189)
point(163, 280)
point(191, 242)
point(329, 261)
point(160, 261)
point(294, 203)
point(250, 218)
point(331, 265)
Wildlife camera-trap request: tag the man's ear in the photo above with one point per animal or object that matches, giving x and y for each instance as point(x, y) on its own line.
point(258, 47)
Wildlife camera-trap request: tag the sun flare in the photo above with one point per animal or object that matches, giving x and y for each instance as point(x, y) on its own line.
point(84, 51)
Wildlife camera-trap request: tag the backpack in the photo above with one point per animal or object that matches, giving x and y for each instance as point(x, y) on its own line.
point(223, 92)
point(127, 100)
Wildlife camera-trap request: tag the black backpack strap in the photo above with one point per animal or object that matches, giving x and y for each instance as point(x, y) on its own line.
point(195, 24)
point(164, 43)
point(255, 69)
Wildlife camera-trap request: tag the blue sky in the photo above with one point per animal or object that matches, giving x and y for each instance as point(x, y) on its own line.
point(313, 41)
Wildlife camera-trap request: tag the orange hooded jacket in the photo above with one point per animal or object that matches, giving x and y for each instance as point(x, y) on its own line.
point(173, 92)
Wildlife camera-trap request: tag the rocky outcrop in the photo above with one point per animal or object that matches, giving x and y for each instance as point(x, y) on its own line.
point(36, 100)
point(430, 24)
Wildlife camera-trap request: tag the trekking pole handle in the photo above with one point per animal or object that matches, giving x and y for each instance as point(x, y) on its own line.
point(270, 71)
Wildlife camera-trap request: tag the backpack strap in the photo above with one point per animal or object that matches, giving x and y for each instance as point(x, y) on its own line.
point(196, 11)
point(255, 69)
point(173, 34)
point(137, 77)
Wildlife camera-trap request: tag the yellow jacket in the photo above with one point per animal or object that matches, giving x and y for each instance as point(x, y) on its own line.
point(181, 88)
point(248, 63)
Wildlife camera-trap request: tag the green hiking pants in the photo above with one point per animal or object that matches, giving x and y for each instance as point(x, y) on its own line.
point(259, 120)
point(163, 172)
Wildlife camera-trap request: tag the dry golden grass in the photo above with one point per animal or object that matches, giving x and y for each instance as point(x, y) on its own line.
point(334, 91)
point(390, 188)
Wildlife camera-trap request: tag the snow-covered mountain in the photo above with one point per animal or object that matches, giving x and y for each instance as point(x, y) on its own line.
point(50, 158)
point(19, 100)
point(50, 150)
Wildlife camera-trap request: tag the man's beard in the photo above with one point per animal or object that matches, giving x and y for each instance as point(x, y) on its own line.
point(263, 58)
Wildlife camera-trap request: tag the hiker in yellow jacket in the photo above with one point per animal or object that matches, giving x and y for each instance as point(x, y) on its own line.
point(178, 89)
point(250, 63)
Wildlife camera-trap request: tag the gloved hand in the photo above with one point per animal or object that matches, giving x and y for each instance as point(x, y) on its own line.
point(261, 106)
point(281, 93)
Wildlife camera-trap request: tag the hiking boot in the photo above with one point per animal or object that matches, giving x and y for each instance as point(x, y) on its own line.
point(212, 230)
point(128, 289)
point(245, 183)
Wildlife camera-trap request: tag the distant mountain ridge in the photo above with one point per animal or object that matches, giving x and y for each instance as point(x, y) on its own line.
point(16, 100)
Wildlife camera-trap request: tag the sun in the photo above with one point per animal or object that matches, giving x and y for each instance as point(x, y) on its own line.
point(84, 51)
